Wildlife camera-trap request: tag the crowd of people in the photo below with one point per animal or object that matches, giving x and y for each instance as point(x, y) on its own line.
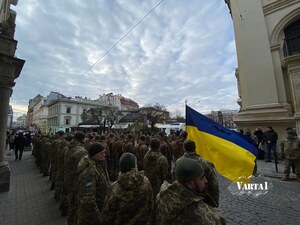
point(289, 149)
point(122, 179)
point(17, 142)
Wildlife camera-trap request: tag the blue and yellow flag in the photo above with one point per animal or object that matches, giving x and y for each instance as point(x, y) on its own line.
point(232, 155)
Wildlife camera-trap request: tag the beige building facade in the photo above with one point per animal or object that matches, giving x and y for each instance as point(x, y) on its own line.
point(267, 35)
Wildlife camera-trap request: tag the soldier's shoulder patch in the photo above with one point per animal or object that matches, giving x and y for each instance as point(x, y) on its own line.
point(89, 188)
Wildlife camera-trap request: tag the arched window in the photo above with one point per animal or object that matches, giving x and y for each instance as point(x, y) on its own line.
point(292, 39)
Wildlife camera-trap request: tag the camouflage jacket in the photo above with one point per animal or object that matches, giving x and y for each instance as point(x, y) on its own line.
point(156, 169)
point(140, 152)
point(290, 148)
point(128, 147)
point(213, 185)
point(130, 200)
point(177, 205)
point(93, 185)
point(177, 148)
point(61, 159)
point(166, 151)
point(73, 155)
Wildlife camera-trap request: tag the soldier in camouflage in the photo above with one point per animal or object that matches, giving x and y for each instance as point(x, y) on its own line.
point(140, 151)
point(182, 202)
point(45, 162)
point(290, 148)
point(155, 166)
point(130, 200)
point(93, 185)
point(73, 155)
point(213, 192)
point(177, 145)
point(128, 145)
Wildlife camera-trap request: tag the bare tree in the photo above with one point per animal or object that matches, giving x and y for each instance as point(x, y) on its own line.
point(111, 115)
point(155, 113)
point(103, 115)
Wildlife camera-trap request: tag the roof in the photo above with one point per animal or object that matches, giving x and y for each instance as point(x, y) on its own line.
point(128, 101)
point(132, 117)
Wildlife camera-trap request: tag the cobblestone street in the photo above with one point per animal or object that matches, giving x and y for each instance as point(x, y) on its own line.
point(30, 200)
point(281, 205)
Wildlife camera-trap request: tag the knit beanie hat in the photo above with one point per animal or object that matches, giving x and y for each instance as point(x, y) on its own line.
point(95, 148)
point(79, 136)
point(187, 169)
point(189, 146)
point(155, 144)
point(291, 133)
point(127, 162)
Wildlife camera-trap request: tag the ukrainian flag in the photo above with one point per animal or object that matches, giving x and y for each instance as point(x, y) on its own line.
point(231, 154)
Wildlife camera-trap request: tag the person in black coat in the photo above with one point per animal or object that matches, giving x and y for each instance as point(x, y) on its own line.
point(20, 143)
point(271, 137)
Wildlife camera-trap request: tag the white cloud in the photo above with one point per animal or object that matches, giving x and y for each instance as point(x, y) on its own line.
point(181, 50)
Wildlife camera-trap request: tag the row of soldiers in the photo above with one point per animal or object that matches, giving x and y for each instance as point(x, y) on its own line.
point(116, 179)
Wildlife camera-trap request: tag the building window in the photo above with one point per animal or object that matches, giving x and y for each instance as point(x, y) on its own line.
point(67, 121)
point(68, 109)
point(292, 39)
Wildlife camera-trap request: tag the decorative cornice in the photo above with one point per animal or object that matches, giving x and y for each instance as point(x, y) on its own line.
point(277, 5)
point(275, 47)
point(292, 62)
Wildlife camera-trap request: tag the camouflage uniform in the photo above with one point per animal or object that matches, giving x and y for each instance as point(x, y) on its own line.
point(290, 149)
point(213, 192)
point(45, 150)
point(54, 161)
point(93, 184)
point(37, 150)
point(73, 155)
point(177, 148)
point(60, 185)
point(128, 146)
point(130, 200)
point(140, 152)
point(156, 169)
point(115, 156)
point(177, 205)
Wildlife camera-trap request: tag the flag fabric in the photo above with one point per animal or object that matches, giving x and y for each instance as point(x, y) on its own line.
point(232, 155)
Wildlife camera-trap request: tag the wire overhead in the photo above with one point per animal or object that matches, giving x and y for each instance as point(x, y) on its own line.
point(128, 32)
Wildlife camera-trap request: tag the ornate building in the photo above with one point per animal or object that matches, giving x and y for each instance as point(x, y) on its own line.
point(267, 35)
point(124, 104)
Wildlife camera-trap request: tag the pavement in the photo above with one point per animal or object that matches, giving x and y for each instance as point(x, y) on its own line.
point(31, 202)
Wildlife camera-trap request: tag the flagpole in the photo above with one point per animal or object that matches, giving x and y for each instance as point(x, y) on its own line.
point(185, 108)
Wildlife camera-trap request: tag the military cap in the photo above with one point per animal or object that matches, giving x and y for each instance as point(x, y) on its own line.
point(292, 133)
point(183, 134)
point(189, 146)
point(127, 162)
point(155, 144)
point(95, 148)
point(79, 136)
point(188, 169)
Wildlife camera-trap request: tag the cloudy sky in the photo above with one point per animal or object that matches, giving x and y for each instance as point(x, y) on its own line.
point(184, 49)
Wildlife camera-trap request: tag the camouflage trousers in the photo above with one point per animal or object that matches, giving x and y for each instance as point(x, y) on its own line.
point(72, 208)
point(288, 163)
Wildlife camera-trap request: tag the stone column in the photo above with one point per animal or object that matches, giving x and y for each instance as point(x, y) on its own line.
point(292, 63)
point(10, 69)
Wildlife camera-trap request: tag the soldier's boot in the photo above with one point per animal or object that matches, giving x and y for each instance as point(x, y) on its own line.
point(285, 177)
